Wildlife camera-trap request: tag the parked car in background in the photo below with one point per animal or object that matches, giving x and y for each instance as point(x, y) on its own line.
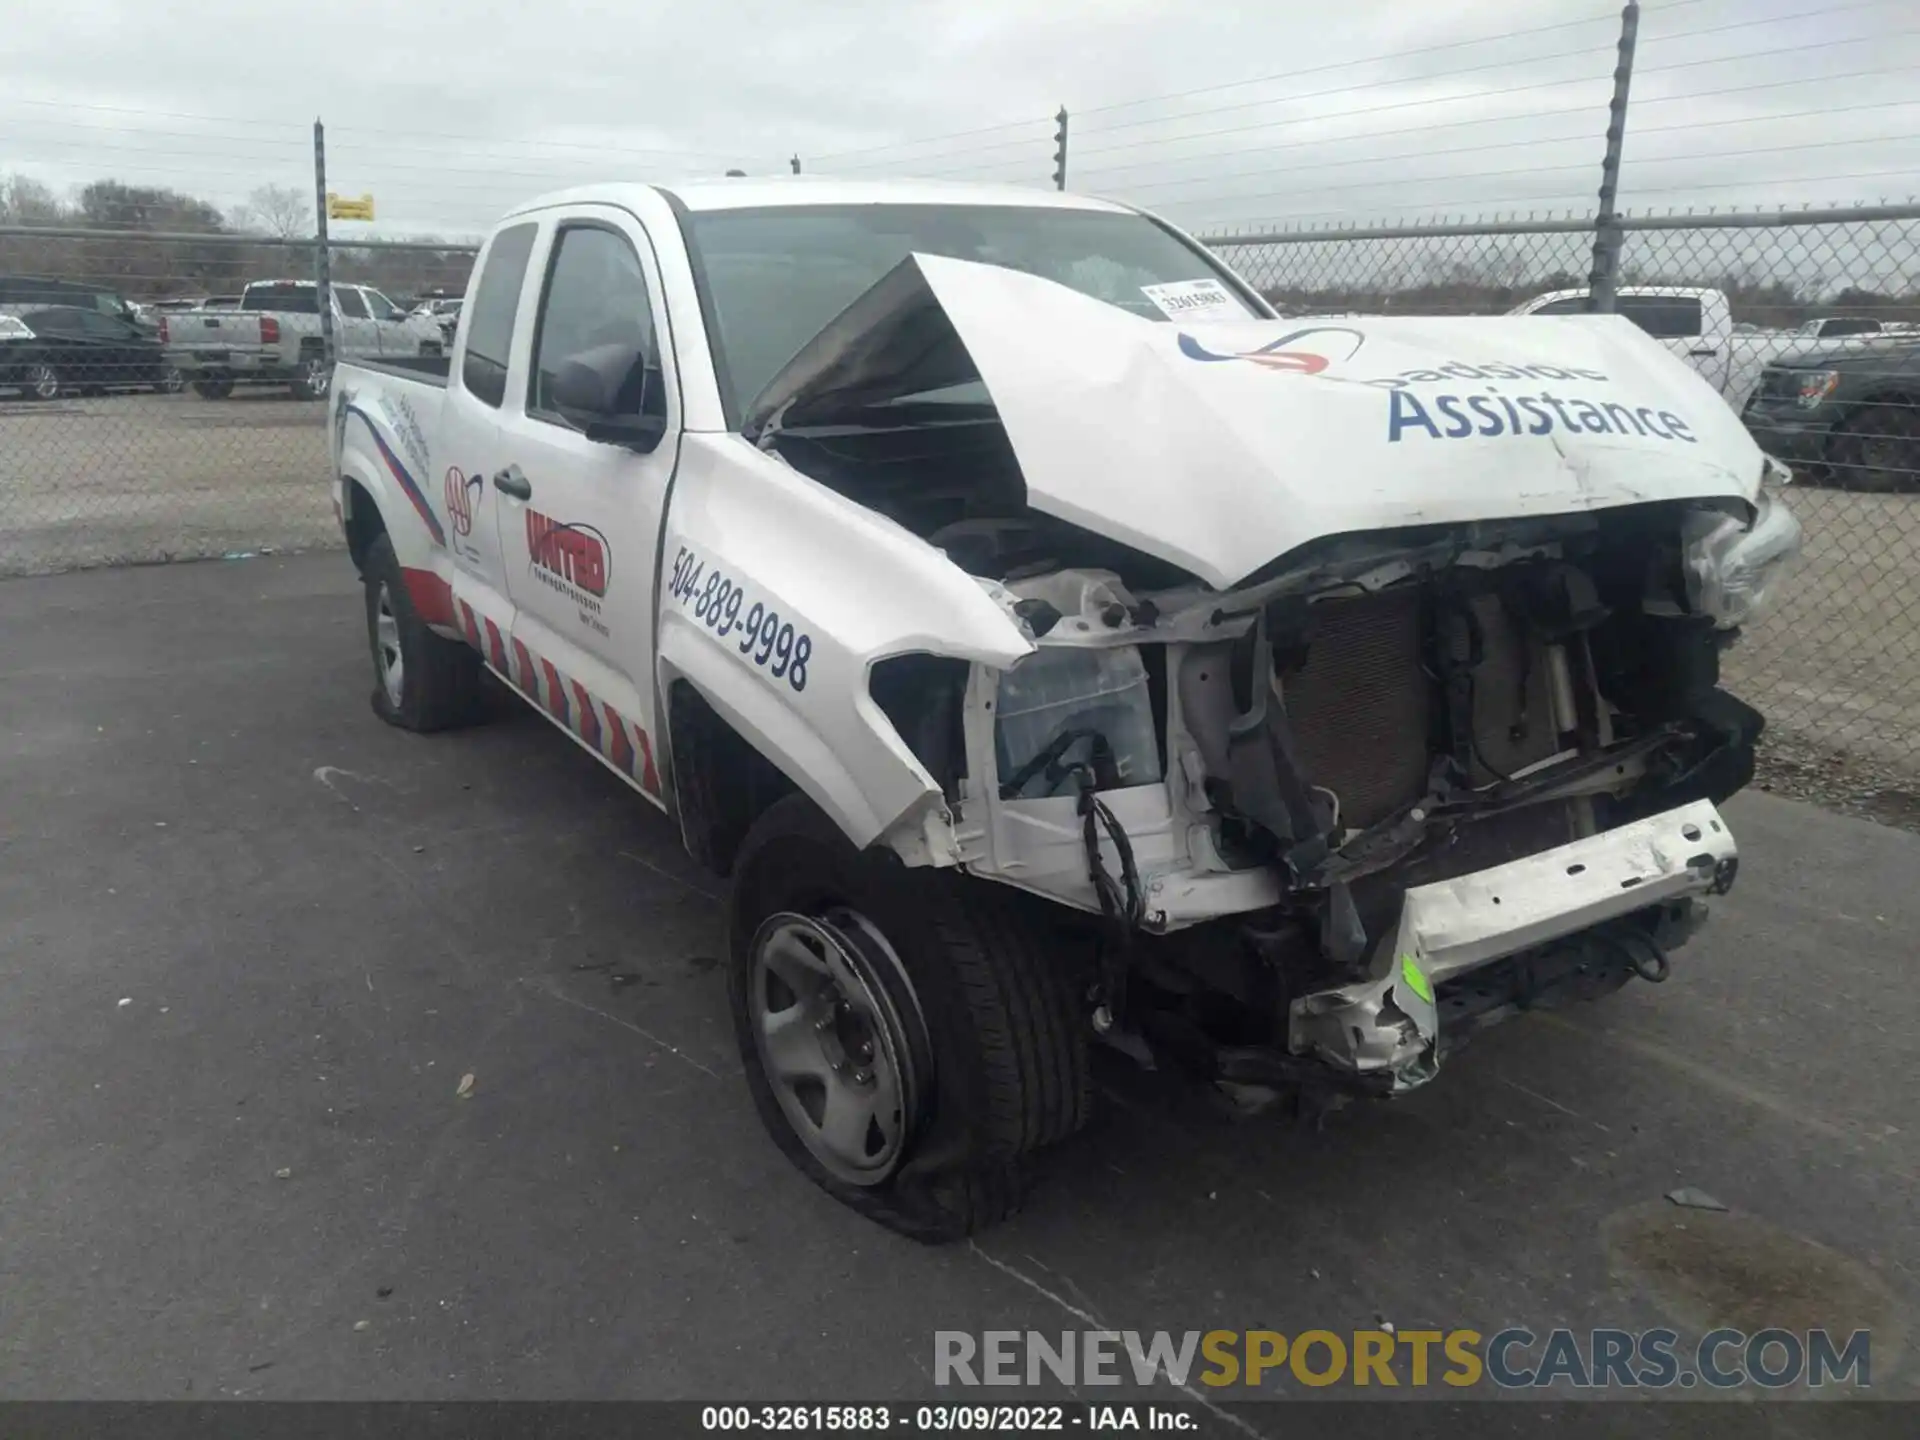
point(18, 291)
point(444, 313)
point(62, 350)
point(1840, 327)
point(274, 337)
point(1848, 414)
point(1693, 322)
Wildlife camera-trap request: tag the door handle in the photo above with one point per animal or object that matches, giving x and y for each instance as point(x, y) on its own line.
point(511, 482)
point(1709, 350)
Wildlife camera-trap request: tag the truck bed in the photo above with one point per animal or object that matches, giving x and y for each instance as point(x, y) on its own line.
point(432, 369)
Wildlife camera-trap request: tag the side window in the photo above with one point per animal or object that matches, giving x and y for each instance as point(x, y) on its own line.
point(483, 370)
point(352, 304)
point(1665, 317)
point(383, 308)
point(1569, 305)
point(596, 298)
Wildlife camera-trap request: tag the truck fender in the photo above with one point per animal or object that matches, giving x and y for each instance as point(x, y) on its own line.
point(378, 462)
point(856, 589)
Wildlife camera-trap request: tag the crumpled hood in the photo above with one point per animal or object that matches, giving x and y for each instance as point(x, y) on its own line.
point(1220, 446)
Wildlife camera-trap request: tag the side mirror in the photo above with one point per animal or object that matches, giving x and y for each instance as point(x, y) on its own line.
point(604, 392)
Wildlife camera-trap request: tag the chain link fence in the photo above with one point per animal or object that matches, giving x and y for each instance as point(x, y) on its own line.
point(1809, 324)
point(129, 431)
point(110, 453)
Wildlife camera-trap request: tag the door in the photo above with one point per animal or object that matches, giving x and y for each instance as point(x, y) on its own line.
point(65, 345)
point(580, 519)
point(394, 335)
point(468, 439)
point(357, 335)
point(119, 357)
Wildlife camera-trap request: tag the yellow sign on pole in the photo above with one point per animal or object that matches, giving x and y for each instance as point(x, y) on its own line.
point(347, 207)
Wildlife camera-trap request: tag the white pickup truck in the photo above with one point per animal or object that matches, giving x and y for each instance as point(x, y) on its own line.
point(1697, 324)
point(1693, 322)
point(274, 338)
point(1055, 648)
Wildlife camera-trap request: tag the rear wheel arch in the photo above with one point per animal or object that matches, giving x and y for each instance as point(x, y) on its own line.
point(363, 521)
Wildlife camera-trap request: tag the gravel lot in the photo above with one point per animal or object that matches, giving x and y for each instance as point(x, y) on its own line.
point(142, 478)
point(251, 940)
point(145, 478)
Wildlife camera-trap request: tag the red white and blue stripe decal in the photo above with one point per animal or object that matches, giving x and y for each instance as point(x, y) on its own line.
point(600, 727)
point(408, 486)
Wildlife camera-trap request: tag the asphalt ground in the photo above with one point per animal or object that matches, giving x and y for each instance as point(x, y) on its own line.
point(252, 940)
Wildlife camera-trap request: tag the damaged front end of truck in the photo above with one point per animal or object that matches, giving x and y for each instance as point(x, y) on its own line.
point(1375, 683)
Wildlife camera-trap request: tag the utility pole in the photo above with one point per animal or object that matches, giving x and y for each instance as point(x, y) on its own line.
point(1608, 237)
point(322, 252)
point(1060, 150)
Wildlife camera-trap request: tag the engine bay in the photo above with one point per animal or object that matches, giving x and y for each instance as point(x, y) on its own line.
point(1252, 797)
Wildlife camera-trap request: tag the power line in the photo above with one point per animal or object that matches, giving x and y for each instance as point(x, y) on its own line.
point(1499, 201)
point(1507, 90)
point(1528, 142)
point(1314, 70)
point(929, 139)
point(1349, 64)
point(1501, 64)
point(1401, 182)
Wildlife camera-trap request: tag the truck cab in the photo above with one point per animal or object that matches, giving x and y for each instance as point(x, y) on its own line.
point(1052, 647)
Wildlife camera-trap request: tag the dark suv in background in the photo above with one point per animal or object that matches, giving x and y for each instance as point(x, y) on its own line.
point(1848, 416)
point(57, 350)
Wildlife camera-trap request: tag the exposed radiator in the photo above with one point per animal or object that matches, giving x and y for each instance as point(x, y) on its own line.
point(1362, 706)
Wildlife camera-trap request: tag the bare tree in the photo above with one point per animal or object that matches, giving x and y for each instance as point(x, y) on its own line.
point(277, 210)
point(25, 201)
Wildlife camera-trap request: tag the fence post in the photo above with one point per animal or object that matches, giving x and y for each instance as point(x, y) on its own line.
point(1060, 151)
point(1608, 237)
point(322, 251)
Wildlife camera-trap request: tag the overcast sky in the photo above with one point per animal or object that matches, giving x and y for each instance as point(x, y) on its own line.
point(449, 112)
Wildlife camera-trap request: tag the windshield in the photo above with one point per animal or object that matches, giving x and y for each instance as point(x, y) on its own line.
point(775, 277)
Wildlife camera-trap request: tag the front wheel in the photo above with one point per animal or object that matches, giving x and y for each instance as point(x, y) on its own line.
point(907, 1035)
point(421, 681)
point(217, 388)
point(313, 379)
point(1878, 449)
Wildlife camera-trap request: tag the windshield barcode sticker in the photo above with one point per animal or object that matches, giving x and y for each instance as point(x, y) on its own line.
point(1195, 300)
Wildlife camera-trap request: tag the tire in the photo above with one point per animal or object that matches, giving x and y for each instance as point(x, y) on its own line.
point(431, 350)
point(171, 381)
point(421, 681)
point(1877, 449)
point(40, 381)
point(953, 982)
point(314, 380)
point(218, 388)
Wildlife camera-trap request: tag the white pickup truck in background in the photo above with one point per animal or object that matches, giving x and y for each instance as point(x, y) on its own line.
point(1054, 647)
point(274, 337)
point(1693, 322)
point(1696, 323)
